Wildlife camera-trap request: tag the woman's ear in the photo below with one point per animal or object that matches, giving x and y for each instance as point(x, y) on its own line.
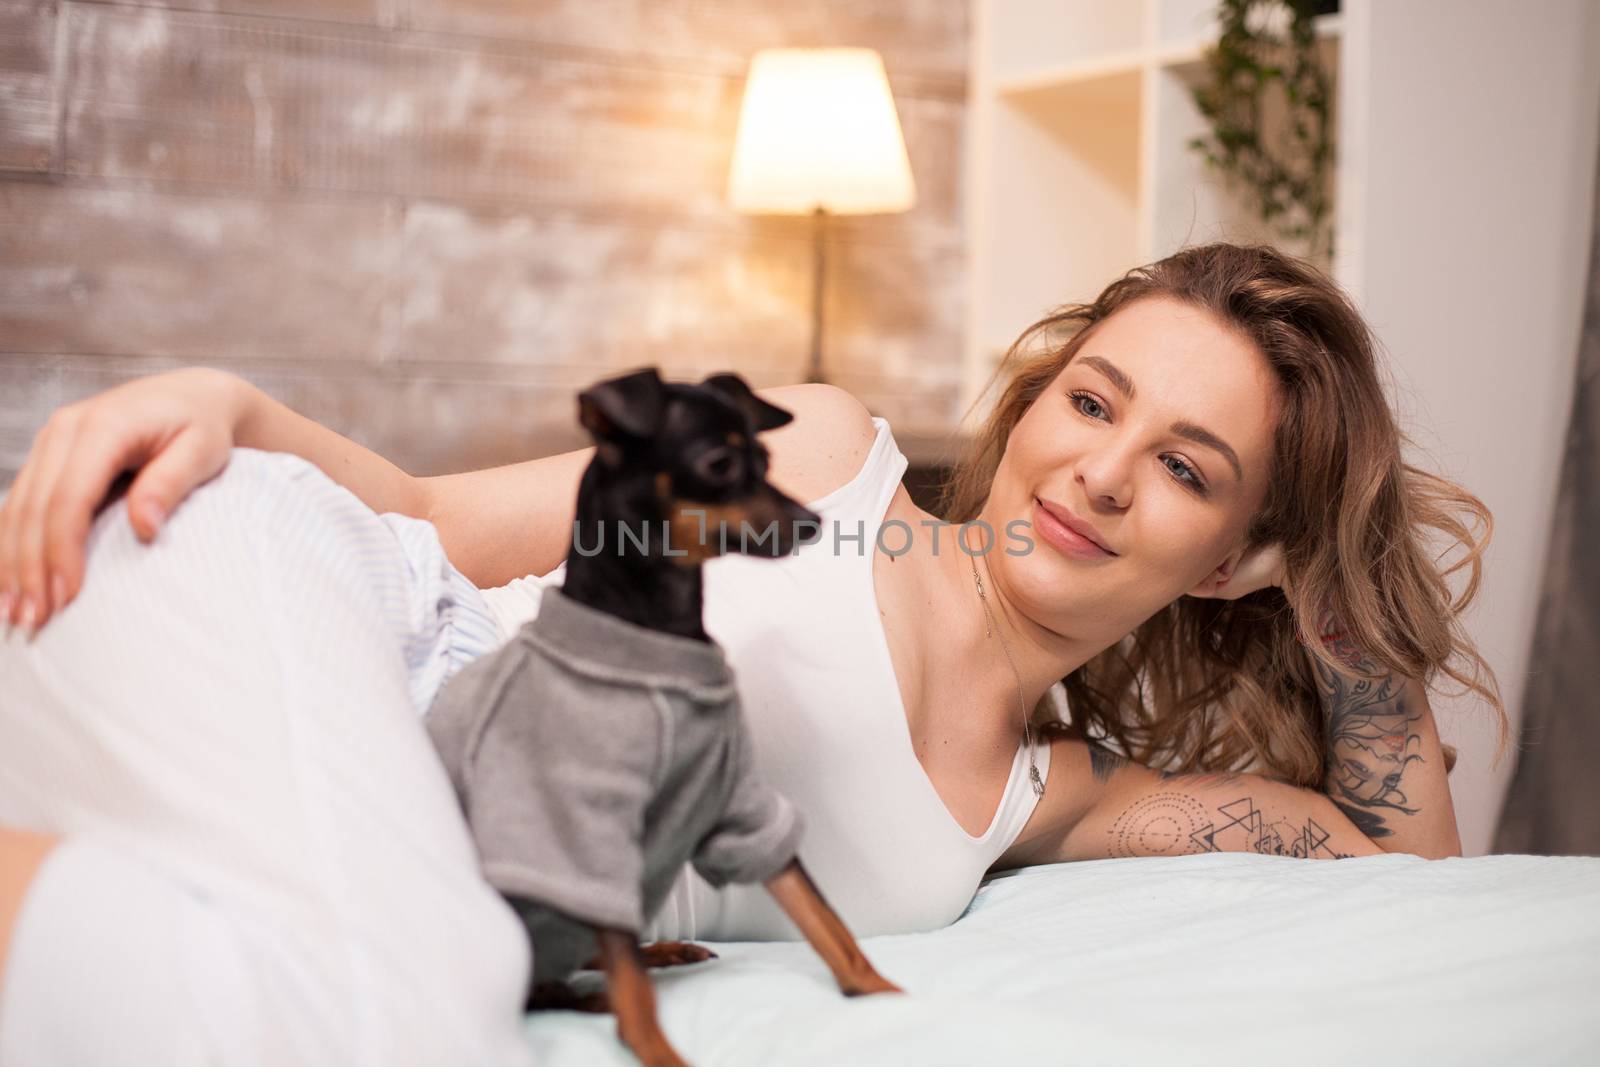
point(1244, 570)
point(1218, 578)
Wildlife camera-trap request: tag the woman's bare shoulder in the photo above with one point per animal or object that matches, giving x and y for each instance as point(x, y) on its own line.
point(826, 444)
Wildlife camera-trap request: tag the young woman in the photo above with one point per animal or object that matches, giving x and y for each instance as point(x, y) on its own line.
point(1225, 559)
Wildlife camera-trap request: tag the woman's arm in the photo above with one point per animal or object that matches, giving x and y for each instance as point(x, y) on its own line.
point(495, 525)
point(1382, 794)
point(175, 430)
point(1136, 811)
point(263, 422)
point(1386, 767)
point(500, 524)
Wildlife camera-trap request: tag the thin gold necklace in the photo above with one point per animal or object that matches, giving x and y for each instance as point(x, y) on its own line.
point(992, 629)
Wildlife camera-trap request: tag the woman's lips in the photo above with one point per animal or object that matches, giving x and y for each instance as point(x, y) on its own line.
point(1063, 538)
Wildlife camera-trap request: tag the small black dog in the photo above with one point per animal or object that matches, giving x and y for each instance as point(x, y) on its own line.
point(683, 458)
point(603, 747)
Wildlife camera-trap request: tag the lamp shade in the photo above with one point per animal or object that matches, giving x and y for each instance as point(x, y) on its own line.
point(818, 129)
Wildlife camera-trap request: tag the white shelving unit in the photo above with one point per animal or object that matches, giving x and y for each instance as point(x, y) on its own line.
point(1079, 167)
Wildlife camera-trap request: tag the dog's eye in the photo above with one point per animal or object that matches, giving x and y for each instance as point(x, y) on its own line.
point(719, 465)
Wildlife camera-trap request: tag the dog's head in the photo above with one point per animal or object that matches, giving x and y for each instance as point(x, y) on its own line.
point(697, 446)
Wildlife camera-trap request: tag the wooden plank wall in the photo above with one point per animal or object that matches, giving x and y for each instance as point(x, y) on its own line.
point(427, 222)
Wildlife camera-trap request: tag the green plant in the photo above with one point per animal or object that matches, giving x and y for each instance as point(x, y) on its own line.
point(1268, 47)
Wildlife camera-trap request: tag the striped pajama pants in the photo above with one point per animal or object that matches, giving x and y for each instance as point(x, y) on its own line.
point(263, 861)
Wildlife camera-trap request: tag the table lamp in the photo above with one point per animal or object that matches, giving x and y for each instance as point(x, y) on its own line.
point(818, 134)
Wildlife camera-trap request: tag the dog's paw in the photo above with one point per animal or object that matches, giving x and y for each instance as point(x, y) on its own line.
point(664, 954)
point(674, 953)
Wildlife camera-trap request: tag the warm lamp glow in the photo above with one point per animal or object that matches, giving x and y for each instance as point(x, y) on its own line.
point(818, 129)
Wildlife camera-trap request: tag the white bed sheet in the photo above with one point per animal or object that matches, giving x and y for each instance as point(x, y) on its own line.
point(1206, 959)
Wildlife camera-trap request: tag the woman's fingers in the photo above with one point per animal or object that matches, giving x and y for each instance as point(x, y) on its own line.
point(174, 429)
point(23, 578)
point(99, 453)
point(191, 459)
point(54, 449)
point(10, 522)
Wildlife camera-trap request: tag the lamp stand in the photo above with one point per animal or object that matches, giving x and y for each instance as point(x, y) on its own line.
point(814, 369)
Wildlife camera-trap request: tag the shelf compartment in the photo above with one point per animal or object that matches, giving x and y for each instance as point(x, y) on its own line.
point(1061, 206)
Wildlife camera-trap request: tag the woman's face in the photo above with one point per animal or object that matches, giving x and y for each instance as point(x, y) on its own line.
point(1158, 435)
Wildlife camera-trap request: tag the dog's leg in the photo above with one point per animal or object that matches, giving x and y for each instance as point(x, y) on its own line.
point(802, 901)
point(633, 1000)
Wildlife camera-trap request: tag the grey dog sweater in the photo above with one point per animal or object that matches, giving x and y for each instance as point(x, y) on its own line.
point(593, 758)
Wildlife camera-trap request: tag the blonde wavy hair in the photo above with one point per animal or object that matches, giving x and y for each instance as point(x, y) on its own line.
point(1223, 685)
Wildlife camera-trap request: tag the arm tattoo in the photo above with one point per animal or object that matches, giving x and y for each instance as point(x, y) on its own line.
point(1371, 740)
point(1104, 763)
point(1177, 824)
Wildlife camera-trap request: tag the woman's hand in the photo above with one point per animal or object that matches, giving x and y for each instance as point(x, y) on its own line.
point(1258, 568)
point(175, 430)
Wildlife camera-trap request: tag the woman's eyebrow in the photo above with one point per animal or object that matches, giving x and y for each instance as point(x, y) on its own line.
point(1188, 430)
point(1123, 383)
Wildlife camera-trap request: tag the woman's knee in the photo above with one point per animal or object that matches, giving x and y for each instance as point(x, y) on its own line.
point(288, 506)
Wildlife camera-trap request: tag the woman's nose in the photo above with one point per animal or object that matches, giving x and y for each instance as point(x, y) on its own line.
point(1106, 475)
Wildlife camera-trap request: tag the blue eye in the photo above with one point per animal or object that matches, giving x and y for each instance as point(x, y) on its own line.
point(1090, 398)
point(1187, 471)
point(1182, 472)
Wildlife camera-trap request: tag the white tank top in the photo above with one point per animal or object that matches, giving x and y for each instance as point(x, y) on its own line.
point(819, 692)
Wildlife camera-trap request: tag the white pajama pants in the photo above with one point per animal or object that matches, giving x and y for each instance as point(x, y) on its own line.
point(263, 861)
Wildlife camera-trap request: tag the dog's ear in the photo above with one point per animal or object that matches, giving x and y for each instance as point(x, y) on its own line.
point(620, 409)
point(762, 415)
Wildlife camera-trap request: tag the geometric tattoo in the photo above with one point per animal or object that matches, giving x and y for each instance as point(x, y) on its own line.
point(1370, 738)
point(1178, 824)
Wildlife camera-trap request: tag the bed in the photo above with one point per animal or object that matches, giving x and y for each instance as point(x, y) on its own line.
point(1205, 959)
